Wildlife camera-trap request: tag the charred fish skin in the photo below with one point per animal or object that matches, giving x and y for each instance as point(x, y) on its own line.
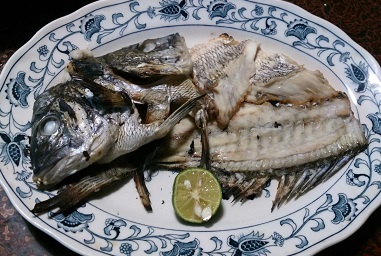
point(168, 55)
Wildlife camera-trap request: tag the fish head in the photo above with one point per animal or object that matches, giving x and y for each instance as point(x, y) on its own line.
point(168, 55)
point(71, 129)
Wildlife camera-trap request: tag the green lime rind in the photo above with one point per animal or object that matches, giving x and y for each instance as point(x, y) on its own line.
point(196, 196)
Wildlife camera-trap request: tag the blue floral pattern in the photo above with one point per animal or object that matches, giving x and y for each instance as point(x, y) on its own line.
point(300, 230)
point(74, 221)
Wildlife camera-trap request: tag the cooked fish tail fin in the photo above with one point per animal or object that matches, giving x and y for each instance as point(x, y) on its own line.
point(251, 188)
point(288, 186)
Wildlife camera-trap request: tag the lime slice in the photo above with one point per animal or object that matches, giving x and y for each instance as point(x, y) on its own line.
point(196, 195)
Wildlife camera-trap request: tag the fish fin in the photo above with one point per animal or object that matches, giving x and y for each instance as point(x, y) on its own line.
point(256, 187)
point(316, 177)
point(325, 173)
point(159, 108)
point(142, 190)
point(240, 188)
point(176, 116)
point(296, 182)
point(283, 189)
point(140, 179)
point(338, 165)
point(293, 185)
point(76, 193)
point(205, 149)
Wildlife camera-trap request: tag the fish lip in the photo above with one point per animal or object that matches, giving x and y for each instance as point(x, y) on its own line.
point(40, 178)
point(41, 163)
point(51, 175)
point(48, 164)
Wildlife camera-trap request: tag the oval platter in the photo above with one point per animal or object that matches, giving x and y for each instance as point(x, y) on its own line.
point(114, 222)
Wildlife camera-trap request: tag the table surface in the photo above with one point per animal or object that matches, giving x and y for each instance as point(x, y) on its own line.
point(360, 19)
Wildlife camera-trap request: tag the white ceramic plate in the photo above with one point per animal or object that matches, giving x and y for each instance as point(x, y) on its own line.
point(116, 223)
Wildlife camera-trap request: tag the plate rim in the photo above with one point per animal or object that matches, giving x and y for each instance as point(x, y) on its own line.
point(101, 4)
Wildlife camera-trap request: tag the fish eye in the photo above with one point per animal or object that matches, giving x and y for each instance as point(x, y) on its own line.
point(49, 125)
point(149, 46)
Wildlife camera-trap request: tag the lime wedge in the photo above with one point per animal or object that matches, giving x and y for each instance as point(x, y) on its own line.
point(196, 195)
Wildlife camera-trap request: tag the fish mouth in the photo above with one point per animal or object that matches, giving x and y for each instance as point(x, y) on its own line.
point(49, 176)
point(46, 170)
point(55, 167)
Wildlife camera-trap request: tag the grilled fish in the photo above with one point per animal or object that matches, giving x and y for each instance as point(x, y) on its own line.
point(266, 117)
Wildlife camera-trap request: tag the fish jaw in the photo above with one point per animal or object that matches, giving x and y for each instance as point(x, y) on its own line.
point(47, 176)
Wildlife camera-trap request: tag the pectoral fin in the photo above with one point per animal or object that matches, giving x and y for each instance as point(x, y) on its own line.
point(176, 116)
point(72, 195)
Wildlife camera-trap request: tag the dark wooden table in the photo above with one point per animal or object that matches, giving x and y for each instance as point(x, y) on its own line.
point(360, 19)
